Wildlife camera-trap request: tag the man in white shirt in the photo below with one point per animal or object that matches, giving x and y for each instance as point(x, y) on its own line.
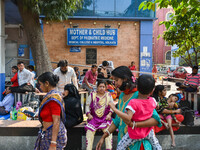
point(6, 103)
point(25, 80)
point(31, 69)
point(66, 75)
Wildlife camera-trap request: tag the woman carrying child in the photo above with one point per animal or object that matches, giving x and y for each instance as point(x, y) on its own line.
point(139, 110)
point(124, 80)
point(99, 114)
point(169, 104)
point(170, 117)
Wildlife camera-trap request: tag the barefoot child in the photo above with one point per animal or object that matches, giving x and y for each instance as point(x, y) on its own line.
point(139, 110)
point(99, 114)
point(165, 109)
point(170, 104)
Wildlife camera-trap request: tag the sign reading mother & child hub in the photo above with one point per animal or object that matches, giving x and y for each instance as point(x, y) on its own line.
point(85, 37)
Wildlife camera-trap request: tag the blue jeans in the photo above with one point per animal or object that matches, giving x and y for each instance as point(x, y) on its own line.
point(187, 89)
point(3, 111)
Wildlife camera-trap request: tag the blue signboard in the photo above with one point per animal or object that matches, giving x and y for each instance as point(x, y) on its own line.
point(95, 37)
point(75, 49)
point(21, 49)
point(146, 28)
point(23, 46)
point(21, 52)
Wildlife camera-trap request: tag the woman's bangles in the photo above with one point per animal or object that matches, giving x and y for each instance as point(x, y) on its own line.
point(108, 132)
point(53, 143)
point(133, 125)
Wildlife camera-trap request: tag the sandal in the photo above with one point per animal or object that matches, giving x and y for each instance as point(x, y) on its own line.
point(173, 146)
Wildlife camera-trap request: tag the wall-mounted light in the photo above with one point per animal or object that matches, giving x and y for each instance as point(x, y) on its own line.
point(135, 25)
point(119, 24)
point(21, 27)
point(107, 26)
point(70, 23)
point(75, 25)
point(95, 23)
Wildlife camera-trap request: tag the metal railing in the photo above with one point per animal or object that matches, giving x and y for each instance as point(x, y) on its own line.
point(9, 65)
point(79, 65)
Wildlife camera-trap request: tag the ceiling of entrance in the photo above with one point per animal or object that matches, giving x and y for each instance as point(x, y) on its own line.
point(12, 15)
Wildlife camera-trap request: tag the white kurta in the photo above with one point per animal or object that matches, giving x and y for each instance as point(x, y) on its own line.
point(68, 78)
point(25, 76)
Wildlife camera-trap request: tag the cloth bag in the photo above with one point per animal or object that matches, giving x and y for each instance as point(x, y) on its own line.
point(188, 116)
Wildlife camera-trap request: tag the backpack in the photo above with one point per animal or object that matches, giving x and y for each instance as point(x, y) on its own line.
point(188, 116)
point(73, 110)
point(185, 103)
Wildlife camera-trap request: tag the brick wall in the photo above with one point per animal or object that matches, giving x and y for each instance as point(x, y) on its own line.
point(159, 47)
point(126, 51)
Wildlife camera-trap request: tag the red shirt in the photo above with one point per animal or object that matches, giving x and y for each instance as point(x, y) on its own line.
point(14, 80)
point(51, 108)
point(90, 77)
point(154, 70)
point(193, 80)
point(132, 67)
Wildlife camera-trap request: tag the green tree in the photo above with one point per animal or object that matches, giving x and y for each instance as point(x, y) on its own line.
point(54, 10)
point(184, 63)
point(184, 27)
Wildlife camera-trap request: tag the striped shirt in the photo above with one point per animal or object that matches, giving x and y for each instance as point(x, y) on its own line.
point(193, 80)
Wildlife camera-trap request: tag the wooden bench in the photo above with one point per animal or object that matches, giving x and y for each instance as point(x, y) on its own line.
point(17, 129)
point(84, 95)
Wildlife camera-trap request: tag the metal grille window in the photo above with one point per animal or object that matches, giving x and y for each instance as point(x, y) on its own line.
point(168, 55)
point(168, 16)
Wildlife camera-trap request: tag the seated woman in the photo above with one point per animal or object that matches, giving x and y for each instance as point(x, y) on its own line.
point(170, 104)
point(99, 114)
point(73, 110)
point(72, 100)
point(159, 94)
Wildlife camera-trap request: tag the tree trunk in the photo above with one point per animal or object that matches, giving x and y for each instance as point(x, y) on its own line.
point(35, 39)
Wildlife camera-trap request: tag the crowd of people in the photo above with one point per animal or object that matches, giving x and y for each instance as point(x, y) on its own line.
point(137, 108)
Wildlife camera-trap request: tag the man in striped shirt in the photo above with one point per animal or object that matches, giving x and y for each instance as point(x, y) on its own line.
point(192, 81)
